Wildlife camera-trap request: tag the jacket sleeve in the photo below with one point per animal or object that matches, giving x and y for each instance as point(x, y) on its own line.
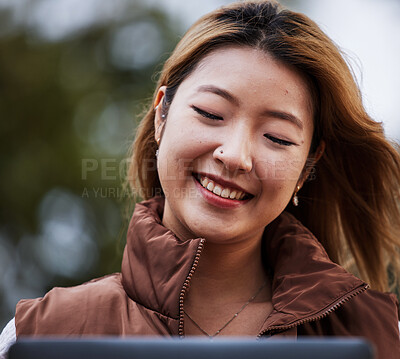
point(372, 315)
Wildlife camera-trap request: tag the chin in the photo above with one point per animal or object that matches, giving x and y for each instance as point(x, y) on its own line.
point(218, 235)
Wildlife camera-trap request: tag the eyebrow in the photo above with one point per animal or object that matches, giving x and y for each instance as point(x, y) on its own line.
point(285, 116)
point(220, 92)
point(270, 113)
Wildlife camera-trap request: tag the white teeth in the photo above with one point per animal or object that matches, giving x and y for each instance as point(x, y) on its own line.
point(225, 193)
point(219, 191)
point(204, 182)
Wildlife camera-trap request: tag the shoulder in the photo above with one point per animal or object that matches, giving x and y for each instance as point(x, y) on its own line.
point(73, 296)
point(372, 303)
point(375, 316)
point(370, 314)
point(76, 305)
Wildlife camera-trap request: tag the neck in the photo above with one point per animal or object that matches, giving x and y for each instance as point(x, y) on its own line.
point(231, 273)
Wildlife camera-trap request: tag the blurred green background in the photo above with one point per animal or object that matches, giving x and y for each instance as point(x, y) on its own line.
point(69, 103)
point(73, 83)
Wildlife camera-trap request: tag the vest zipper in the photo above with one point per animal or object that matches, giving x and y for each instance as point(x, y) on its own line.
point(186, 284)
point(315, 317)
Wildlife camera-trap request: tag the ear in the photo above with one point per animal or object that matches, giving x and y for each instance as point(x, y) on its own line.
point(311, 162)
point(320, 151)
point(159, 121)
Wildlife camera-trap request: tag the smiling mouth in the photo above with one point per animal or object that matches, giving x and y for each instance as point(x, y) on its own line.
point(221, 191)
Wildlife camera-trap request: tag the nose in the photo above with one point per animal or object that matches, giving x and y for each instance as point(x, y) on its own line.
point(235, 152)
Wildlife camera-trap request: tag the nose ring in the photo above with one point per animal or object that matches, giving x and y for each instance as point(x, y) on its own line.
point(221, 152)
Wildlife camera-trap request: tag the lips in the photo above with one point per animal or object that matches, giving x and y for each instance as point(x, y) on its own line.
point(221, 189)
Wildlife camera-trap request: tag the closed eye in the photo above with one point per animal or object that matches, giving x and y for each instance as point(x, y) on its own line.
point(207, 114)
point(278, 140)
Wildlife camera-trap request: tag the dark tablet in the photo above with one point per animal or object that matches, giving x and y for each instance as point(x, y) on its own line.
point(229, 348)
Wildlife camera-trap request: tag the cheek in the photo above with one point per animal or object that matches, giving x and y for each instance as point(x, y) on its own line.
point(279, 176)
point(177, 152)
point(281, 169)
point(185, 139)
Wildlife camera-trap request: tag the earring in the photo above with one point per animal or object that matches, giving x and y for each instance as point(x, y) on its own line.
point(295, 199)
point(162, 116)
point(158, 143)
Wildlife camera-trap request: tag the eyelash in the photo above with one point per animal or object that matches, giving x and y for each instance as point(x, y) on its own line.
point(207, 114)
point(219, 118)
point(278, 140)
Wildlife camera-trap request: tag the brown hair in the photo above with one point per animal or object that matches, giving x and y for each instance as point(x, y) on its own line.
point(352, 203)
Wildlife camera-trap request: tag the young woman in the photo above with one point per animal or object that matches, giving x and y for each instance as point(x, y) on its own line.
point(270, 177)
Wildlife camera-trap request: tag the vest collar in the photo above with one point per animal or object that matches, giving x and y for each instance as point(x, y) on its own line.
point(157, 265)
point(306, 285)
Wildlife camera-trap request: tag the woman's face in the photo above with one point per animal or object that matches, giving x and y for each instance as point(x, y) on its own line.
point(234, 145)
